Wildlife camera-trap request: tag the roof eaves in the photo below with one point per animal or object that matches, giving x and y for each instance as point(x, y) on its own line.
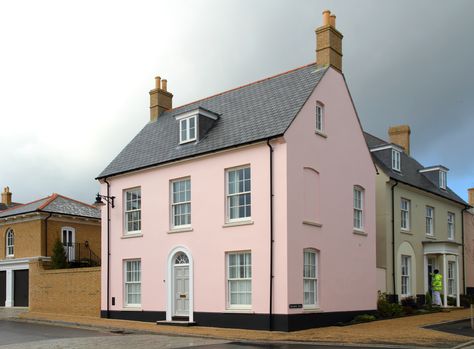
point(188, 157)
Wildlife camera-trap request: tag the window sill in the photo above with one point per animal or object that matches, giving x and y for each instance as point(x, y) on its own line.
point(131, 236)
point(322, 134)
point(314, 224)
point(431, 237)
point(312, 310)
point(359, 232)
point(406, 232)
point(132, 308)
point(241, 310)
point(236, 224)
point(180, 230)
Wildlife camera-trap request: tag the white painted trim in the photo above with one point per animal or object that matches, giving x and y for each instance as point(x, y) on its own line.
point(196, 129)
point(385, 147)
point(170, 283)
point(198, 111)
point(433, 168)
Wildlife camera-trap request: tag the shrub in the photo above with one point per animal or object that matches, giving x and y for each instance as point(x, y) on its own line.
point(452, 301)
point(386, 309)
point(409, 302)
point(428, 300)
point(364, 318)
point(58, 259)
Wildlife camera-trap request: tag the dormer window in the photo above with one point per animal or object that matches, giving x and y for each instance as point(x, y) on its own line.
point(396, 162)
point(195, 124)
point(187, 129)
point(442, 179)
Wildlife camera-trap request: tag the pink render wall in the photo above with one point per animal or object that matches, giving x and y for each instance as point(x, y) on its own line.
point(347, 279)
point(347, 260)
point(209, 240)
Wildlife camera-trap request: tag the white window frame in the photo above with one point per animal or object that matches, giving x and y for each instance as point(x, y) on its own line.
point(319, 117)
point(405, 275)
point(451, 225)
point(358, 208)
point(185, 122)
point(396, 160)
point(126, 303)
point(311, 277)
point(10, 243)
point(244, 192)
point(241, 278)
point(176, 204)
point(405, 214)
point(126, 211)
point(429, 220)
point(443, 178)
point(451, 278)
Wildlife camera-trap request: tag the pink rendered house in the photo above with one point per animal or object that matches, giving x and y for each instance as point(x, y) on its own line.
point(253, 208)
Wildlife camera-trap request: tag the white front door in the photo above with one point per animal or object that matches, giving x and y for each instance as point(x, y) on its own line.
point(68, 240)
point(181, 290)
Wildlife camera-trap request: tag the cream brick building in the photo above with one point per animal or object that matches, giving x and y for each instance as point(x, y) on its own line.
point(419, 222)
point(29, 232)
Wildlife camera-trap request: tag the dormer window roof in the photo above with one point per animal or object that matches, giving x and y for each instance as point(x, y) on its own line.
point(194, 124)
point(437, 174)
point(395, 157)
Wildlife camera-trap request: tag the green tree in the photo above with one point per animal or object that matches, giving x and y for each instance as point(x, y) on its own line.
point(58, 259)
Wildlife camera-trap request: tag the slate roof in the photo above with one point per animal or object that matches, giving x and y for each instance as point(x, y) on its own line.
point(251, 113)
point(54, 204)
point(409, 170)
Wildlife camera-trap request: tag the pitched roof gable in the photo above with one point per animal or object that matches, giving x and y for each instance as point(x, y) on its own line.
point(409, 170)
point(54, 203)
point(251, 113)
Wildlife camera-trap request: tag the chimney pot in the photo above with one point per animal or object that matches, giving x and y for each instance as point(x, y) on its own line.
point(471, 196)
point(164, 85)
point(326, 15)
point(400, 135)
point(332, 21)
point(158, 82)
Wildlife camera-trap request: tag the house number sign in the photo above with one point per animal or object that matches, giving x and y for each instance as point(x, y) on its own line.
point(296, 306)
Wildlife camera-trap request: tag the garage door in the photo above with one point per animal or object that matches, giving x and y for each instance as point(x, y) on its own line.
point(3, 287)
point(20, 280)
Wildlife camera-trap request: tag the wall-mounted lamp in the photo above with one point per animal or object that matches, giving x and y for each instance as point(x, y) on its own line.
point(98, 200)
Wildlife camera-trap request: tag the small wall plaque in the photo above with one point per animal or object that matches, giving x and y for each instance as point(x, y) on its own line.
point(296, 306)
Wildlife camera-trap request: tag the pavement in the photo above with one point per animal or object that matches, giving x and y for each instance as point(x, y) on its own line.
point(412, 331)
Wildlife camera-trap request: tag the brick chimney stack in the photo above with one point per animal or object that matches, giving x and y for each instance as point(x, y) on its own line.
point(471, 196)
point(329, 42)
point(160, 99)
point(400, 135)
point(6, 196)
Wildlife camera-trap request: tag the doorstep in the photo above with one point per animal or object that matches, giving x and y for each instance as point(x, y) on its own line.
point(176, 323)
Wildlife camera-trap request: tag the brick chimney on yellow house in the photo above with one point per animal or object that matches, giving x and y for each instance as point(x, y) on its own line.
point(6, 196)
point(329, 42)
point(400, 135)
point(471, 196)
point(160, 99)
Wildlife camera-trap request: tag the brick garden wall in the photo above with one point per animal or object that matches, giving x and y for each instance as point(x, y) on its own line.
point(65, 291)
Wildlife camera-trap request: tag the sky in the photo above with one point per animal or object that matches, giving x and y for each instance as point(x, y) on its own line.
point(75, 75)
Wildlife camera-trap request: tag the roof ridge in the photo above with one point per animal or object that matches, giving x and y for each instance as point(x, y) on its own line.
point(245, 85)
point(52, 197)
point(21, 205)
point(79, 202)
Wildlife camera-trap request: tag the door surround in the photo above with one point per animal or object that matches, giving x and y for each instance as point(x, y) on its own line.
point(170, 283)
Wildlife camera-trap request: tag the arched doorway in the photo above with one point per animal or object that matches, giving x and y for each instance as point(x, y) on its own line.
point(180, 285)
